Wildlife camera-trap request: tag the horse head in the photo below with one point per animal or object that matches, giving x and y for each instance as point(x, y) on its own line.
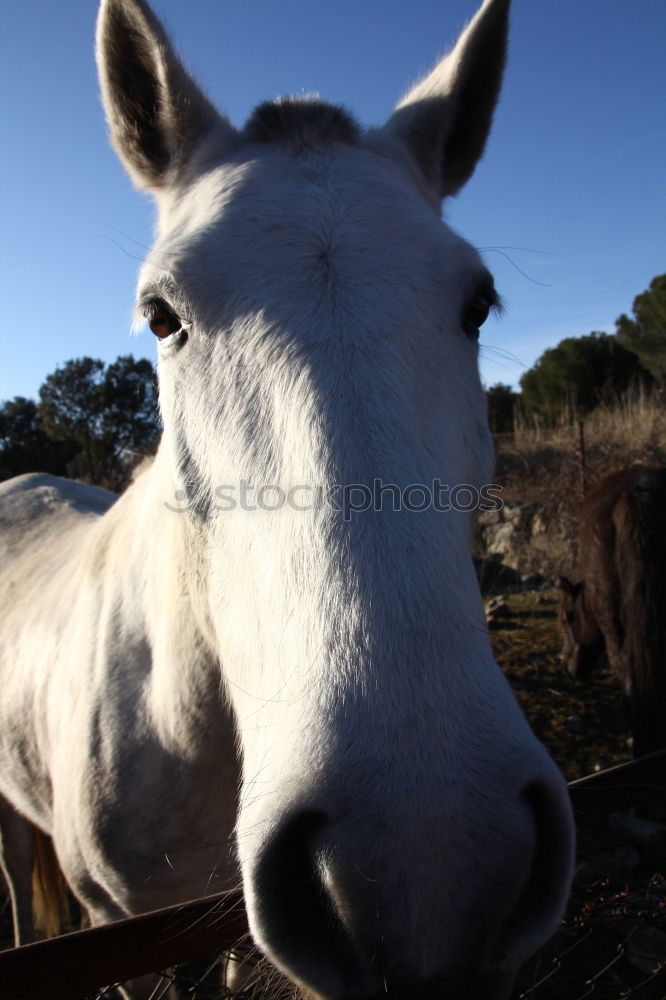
point(583, 641)
point(400, 831)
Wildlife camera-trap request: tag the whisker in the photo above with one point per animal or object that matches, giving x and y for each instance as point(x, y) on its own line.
point(500, 357)
point(500, 250)
point(138, 243)
point(104, 236)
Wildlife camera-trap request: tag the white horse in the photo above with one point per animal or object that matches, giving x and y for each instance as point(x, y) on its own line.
point(248, 667)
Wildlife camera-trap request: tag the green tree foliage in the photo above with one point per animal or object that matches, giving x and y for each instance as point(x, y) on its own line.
point(581, 373)
point(24, 446)
point(91, 419)
point(70, 408)
point(129, 404)
point(645, 334)
point(501, 403)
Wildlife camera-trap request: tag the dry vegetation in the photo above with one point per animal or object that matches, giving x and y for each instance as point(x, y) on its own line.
point(542, 464)
point(617, 913)
point(614, 934)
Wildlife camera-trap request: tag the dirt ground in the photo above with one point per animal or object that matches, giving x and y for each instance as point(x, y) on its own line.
point(613, 939)
point(582, 725)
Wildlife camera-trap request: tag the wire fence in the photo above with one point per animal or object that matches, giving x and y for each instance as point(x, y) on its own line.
point(611, 945)
point(207, 979)
point(612, 942)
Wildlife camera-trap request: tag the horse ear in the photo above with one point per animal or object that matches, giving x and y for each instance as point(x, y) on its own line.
point(157, 115)
point(445, 119)
point(569, 588)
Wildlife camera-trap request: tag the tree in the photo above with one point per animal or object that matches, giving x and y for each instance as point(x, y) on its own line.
point(129, 402)
point(501, 404)
point(24, 446)
point(581, 372)
point(70, 406)
point(110, 412)
point(645, 334)
point(91, 422)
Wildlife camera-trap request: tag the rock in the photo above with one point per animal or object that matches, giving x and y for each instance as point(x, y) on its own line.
point(531, 581)
point(506, 534)
point(493, 573)
point(643, 832)
point(585, 873)
point(619, 864)
point(527, 537)
point(539, 526)
point(626, 859)
point(575, 724)
point(646, 950)
point(500, 542)
point(488, 517)
point(518, 513)
point(497, 605)
point(497, 611)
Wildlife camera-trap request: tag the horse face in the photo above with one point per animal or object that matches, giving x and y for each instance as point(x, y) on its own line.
point(400, 831)
point(582, 639)
point(568, 620)
point(347, 355)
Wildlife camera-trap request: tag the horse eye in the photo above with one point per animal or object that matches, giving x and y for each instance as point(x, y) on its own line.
point(477, 311)
point(161, 319)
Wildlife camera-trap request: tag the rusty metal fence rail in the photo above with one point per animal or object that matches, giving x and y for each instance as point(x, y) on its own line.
point(79, 964)
point(636, 783)
point(88, 964)
point(612, 942)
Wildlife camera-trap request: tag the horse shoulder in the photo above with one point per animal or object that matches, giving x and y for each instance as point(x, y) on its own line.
point(45, 525)
point(36, 503)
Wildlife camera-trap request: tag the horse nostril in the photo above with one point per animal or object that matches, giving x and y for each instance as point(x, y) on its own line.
point(315, 916)
point(293, 916)
point(287, 869)
point(545, 891)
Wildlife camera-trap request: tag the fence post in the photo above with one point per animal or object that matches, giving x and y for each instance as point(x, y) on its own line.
point(582, 460)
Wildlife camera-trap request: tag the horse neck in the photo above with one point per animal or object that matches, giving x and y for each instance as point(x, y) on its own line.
point(590, 627)
point(640, 563)
point(161, 554)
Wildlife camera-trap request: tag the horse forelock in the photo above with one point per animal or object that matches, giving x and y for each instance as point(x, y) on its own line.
point(302, 123)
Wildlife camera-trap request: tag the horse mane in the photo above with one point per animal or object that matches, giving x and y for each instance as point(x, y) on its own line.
point(302, 123)
point(50, 898)
point(639, 520)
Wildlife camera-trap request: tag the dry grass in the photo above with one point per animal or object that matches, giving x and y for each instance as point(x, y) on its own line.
point(636, 422)
point(542, 464)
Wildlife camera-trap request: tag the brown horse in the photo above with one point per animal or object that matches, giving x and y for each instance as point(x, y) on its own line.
point(620, 604)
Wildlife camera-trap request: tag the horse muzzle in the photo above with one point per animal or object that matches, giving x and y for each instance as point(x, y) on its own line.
point(358, 909)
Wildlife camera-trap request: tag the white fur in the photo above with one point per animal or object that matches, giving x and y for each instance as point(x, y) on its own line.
point(381, 754)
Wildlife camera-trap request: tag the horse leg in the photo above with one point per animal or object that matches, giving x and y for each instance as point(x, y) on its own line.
point(200, 979)
point(17, 853)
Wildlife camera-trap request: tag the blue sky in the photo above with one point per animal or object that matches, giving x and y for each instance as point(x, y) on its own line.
point(568, 202)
